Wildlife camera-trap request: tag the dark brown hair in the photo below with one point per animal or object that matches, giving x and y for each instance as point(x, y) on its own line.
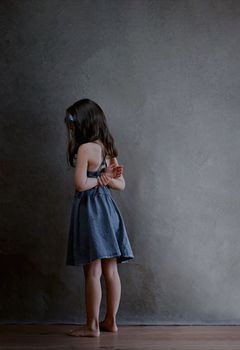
point(86, 122)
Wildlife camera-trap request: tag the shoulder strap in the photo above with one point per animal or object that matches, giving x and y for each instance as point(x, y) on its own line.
point(103, 158)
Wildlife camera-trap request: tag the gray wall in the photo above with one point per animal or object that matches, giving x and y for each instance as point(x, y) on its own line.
point(166, 73)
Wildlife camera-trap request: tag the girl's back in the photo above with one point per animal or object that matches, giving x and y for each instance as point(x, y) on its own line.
point(96, 154)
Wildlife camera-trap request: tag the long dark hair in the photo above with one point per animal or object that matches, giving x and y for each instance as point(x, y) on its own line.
point(86, 122)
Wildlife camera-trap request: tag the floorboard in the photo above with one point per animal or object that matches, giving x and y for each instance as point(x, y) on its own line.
point(19, 337)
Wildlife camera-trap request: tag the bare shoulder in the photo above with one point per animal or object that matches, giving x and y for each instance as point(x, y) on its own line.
point(84, 149)
point(87, 146)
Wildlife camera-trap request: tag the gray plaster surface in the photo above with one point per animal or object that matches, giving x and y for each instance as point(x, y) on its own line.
point(166, 74)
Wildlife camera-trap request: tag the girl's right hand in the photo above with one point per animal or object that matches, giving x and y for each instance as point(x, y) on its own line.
point(103, 179)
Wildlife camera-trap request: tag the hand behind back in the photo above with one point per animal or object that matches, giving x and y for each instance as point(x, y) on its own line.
point(113, 170)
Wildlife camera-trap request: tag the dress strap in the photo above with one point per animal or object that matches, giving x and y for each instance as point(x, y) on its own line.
point(103, 160)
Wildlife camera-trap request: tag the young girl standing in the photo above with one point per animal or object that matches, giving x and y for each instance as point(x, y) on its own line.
point(98, 238)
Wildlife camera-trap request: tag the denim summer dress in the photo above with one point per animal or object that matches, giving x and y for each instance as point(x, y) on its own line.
point(97, 229)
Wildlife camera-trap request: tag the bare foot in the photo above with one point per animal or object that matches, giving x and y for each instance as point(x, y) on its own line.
point(83, 331)
point(107, 327)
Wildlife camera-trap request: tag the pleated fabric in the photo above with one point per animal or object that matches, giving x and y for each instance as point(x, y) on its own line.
point(97, 228)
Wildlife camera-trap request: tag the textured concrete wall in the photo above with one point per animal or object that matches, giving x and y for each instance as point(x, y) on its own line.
point(167, 75)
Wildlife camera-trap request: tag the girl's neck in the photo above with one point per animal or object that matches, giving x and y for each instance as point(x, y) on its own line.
point(99, 142)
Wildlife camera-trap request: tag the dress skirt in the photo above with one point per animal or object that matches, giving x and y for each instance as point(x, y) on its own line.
point(97, 229)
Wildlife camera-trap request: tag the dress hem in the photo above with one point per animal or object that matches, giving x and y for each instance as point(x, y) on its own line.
point(121, 259)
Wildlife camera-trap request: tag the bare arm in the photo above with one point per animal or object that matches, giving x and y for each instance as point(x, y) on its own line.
point(82, 182)
point(119, 182)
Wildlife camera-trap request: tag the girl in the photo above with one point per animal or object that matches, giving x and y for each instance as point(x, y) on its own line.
point(97, 239)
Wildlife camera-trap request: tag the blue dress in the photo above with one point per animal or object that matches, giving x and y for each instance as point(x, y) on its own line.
point(97, 229)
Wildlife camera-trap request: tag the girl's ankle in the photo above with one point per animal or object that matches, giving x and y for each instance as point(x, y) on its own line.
point(93, 326)
point(110, 320)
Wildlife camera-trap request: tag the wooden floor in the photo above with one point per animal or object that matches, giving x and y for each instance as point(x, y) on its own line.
point(128, 338)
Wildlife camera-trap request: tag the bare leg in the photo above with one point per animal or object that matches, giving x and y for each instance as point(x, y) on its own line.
point(93, 295)
point(113, 291)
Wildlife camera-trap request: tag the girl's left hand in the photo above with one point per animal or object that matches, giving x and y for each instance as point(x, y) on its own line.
point(114, 170)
